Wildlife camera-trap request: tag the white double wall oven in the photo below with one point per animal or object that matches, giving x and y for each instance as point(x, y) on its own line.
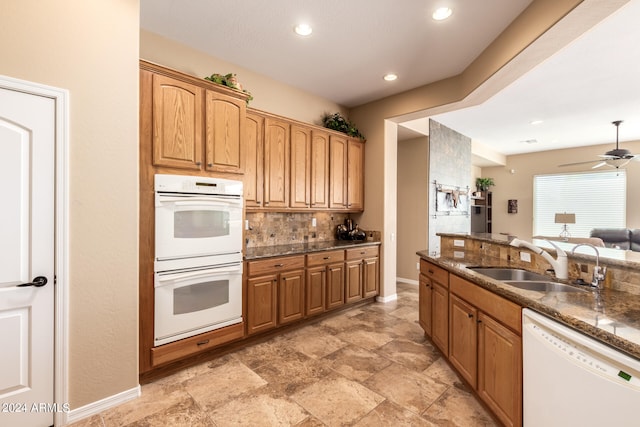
point(198, 255)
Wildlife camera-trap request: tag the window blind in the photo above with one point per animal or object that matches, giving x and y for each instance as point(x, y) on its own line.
point(598, 200)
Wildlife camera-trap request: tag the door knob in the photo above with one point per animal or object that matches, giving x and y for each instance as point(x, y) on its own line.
point(37, 282)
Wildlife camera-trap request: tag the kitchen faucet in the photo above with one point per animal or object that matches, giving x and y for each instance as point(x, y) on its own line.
point(598, 272)
point(560, 266)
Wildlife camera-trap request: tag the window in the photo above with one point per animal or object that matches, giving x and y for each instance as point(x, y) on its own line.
point(597, 198)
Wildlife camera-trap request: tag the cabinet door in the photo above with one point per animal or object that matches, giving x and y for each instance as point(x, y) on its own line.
point(254, 160)
point(225, 130)
point(337, 172)
point(500, 370)
point(177, 123)
point(335, 285)
point(290, 296)
point(440, 317)
point(300, 167)
point(370, 286)
point(319, 169)
point(316, 290)
point(463, 338)
point(424, 303)
point(355, 175)
point(353, 282)
point(276, 163)
point(261, 303)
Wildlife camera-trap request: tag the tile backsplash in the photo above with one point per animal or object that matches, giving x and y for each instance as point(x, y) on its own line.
point(282, 228)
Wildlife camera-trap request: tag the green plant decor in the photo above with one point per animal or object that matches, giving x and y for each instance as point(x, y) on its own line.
point(337, 122)
point(229, 80)
point(483, 184)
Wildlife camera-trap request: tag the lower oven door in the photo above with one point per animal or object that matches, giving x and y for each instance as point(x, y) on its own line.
point(190, 302)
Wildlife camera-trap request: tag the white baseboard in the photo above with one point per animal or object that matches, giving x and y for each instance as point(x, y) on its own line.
point(102, 405)
point(409, 281)
point(387, 298)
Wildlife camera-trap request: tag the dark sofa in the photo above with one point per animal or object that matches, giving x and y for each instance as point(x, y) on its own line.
point(619, 238)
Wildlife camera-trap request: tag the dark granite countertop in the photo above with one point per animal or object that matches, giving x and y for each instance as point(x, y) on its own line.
point(303, 248)
point(611, 316)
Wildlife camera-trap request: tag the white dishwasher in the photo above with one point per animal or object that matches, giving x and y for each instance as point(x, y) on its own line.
point(570, 379)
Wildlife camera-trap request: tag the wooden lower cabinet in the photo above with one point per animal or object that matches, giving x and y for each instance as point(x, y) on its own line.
point(275, 292)
point(485, 346)
point(500, 369)
point(463, 340)
point(291, 296)
point(433, 300)
point(325, 281)
point(353, 281)
point(425, 294)
point(362, 268)
point(261, 303)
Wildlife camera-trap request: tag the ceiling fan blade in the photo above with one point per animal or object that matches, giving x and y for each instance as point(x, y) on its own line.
point(580, 163)
point(598, 165)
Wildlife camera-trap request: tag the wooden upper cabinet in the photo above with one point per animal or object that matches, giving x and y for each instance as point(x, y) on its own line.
point(300, 185)
point(177, 123)
point(355, 175)
point(319, 169)
point(276, 163)
point(338, 172)
point(225, 132)
point(254, 160)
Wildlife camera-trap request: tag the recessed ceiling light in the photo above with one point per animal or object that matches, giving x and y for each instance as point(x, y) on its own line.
point(535, 122)
point(390, 77)
point(303, 29)
point(442, 13)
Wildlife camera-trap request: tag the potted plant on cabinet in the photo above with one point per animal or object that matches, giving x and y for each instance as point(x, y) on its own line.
point(483, 184)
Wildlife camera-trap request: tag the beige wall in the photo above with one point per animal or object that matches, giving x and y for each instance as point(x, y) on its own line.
point(269, 95)
point(413, 210)
point(519, 185)
point(91, 49)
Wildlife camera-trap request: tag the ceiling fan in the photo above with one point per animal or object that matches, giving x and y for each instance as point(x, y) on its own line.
point(617, 158)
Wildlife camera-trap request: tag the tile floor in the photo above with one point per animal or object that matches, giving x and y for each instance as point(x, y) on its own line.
point(369, 366)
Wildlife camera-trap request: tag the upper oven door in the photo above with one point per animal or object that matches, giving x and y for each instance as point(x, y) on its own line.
point(192, 225)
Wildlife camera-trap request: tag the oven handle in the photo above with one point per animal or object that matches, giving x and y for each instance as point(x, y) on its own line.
point(188, 200)
point(187, 275)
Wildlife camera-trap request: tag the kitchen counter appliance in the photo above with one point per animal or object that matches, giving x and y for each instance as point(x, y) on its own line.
point(570, 379)
point(198, 255)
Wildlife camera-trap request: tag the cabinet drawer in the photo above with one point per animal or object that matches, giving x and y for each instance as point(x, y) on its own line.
point(322, 258)
point(497, 307)
point(360, 253)
point(274, 265)
point(188, 346)
point(434, 272)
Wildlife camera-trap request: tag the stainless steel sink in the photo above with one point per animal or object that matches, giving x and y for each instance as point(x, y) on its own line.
point(503, 274)
point(543, 286)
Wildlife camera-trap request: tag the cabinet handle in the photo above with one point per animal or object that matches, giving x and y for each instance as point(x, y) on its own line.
point(279, 265)
point(327, 257)
point(209, 164)
point(430, 271)
point(202, 342)
point(470, 315)
point(198, 163)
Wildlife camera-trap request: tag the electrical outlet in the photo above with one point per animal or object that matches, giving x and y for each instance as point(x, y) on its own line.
point(246, 224)
point(314, 222)
point(418, 265)
point(458, 243)
point(525, 256)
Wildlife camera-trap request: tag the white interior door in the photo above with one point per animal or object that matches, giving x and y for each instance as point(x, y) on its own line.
point(27, 147)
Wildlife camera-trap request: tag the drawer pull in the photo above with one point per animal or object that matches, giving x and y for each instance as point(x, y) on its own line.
point(199, 343)
point(279, 265)
point(430, 271)
point(362, 253)
point(327, 257)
